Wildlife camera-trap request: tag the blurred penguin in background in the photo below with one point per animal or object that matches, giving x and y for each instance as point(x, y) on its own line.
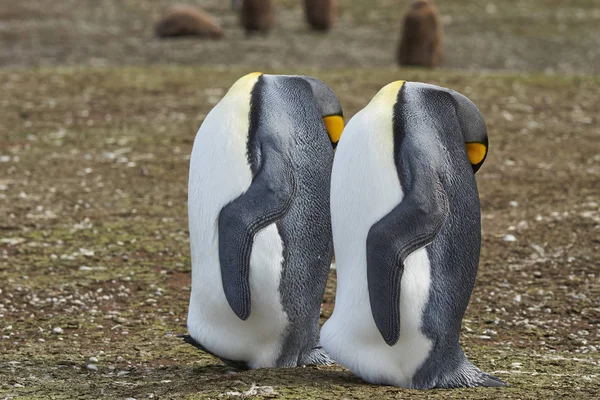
point(185, 20)
point(257, 16)
point(421, 41)
point(320, 13)
point(235, 5)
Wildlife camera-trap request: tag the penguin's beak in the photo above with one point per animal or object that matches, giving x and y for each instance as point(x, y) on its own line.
point(335, 127)
point(477, 153)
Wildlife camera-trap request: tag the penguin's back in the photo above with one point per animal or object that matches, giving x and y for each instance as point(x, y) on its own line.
point(454, 253)
point(305, 230)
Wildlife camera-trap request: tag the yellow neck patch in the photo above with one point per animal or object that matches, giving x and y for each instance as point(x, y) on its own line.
point(244, 85)
point(476, 152)
point(335, 126)
point(387, 95)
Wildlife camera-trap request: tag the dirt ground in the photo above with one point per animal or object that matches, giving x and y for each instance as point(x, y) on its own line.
point(94, 249)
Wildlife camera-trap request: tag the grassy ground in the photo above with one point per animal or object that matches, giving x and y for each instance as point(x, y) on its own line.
point(94, 250)
point(94, 262)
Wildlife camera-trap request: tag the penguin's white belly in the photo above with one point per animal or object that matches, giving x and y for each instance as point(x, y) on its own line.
point(365, 188)
point(351, 338)
point(218, 175)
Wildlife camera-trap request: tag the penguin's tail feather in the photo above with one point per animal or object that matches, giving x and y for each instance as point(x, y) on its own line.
point(240, 365)
point(471, 376)
point(315, 356)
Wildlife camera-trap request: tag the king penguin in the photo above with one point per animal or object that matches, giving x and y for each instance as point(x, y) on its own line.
point(259, 221)
point(406, 229)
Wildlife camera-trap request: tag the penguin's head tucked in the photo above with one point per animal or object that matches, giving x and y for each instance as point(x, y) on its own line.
point(324, 98)
point(473, 129)
point(330, 106)
point(470, 121)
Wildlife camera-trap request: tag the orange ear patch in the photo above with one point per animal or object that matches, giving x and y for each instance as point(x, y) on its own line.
point(476, 152)
point(335, 126)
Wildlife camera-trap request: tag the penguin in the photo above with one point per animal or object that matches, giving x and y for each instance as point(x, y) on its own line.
point(259, 221)
point(320, 14)
point(421, 38)
point(180, 21)
point(406, 229)
point(257, 16)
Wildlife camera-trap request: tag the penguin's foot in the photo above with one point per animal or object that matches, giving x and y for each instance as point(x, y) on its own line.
point(316, 356)
point(470, 376)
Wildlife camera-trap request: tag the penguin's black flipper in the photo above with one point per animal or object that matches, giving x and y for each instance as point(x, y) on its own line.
point(268, 198)
point(411, 225)
point(240, 365)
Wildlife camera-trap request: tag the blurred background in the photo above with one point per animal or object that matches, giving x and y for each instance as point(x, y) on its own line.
point(560, 36)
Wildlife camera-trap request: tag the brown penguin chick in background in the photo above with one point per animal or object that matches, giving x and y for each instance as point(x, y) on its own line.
point(320, 14)
point(421, 41)
point(187, 21)
point(257, 15)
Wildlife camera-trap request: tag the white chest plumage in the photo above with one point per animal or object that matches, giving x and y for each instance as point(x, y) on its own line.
point(364, 188)
point(219, 173)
